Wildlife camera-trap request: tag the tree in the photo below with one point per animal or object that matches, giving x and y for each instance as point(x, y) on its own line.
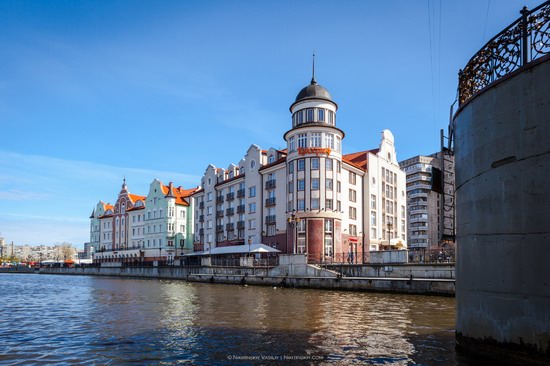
point(64, 251)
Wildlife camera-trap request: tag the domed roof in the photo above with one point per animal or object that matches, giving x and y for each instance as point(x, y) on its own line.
point(313, 91)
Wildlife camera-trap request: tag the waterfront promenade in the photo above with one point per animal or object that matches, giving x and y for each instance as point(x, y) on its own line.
point(433, 279)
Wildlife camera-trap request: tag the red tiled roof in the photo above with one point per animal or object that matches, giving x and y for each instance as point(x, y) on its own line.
point(134, 197)
point(359, 159)
point(136, 208)
point(179, 193)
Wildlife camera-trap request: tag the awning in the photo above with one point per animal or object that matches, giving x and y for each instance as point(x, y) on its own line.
point(236, 249)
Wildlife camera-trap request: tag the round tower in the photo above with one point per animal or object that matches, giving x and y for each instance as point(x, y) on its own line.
point(314, 169)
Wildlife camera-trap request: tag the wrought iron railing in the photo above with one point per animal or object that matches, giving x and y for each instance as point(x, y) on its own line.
point(525, 40)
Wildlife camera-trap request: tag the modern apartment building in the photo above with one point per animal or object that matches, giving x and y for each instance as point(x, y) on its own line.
point(425, 207)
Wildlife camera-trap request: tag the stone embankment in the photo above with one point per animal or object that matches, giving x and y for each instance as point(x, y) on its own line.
point(426, 279)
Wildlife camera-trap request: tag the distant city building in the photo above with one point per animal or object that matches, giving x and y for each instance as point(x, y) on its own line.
point(3, 248)
point(143, 228)
point(424, 205)
point(308, 198)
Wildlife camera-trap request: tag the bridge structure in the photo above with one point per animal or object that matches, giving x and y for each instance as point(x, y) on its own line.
point(500, 137)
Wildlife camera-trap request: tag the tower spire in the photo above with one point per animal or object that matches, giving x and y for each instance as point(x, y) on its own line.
point(313, 81)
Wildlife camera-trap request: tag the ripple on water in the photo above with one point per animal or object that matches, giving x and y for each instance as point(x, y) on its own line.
point(94, 320)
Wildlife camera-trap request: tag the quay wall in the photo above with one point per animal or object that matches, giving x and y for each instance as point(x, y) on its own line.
point(271, 277)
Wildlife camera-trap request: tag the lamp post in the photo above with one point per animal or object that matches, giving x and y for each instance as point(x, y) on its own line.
point(293, 221)
point(249, 244)
point(389, 224)
point(182, 244)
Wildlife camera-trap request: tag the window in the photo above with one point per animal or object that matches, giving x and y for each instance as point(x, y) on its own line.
point(301, 205)
point(209, 196)
point(302, 140)
point(328, 184)
point(338, 166)
point(160, 214)
point(331, 117)
point(271, 230)
point(301, 164)
point(301, 184)
point(315, 184)
point(291, 144)
point(309, 115)
point(315, 139)
point(352, 195)
point(290, 187)
point(352, 178)
point(373, 218)
point(328, 204)
point(338, 186)
point(252, 224)
point(373, 201)
point(352, 213)
point(353, 230)
point(252, 191)
point(314, 163)
point(300, 117)
point(252, 164)
point(291, 167)
point(209, 224)
point(328, 164)
point(271, 159)
point(338, 144)
point(315, 203)
point(251, 207)
point(209, 210)
point(338, 206)
point(321, 115)
point(373, 233)
point(329, 140)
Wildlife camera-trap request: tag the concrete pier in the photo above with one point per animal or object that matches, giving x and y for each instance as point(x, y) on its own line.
point(502, 155)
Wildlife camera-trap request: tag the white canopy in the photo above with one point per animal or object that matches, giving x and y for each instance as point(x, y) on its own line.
point(237, 249)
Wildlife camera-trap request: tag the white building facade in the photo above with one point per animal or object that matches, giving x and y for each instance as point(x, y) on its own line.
point(309, 198)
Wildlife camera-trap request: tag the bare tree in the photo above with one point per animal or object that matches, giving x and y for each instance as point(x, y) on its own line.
point(67, 250)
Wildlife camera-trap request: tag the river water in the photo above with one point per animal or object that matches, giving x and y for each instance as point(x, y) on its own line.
point(100, 320)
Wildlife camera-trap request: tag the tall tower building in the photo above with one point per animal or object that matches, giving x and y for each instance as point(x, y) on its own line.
point(314, 169)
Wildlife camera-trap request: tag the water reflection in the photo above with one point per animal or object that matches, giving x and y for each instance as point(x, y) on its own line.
point(109, 320)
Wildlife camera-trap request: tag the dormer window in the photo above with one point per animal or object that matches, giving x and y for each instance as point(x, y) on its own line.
point(271, 159)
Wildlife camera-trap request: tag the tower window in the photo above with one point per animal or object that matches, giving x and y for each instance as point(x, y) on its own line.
point(291, 145)
point(321, 115)
point(300, 117)
point(302, 140)
point(331, 117)
point(309, 117)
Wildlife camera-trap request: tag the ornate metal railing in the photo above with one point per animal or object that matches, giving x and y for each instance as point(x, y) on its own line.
point(525, 40)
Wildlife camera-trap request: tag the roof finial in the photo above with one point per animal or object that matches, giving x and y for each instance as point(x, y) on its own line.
point(313, 81)
point(124, 182)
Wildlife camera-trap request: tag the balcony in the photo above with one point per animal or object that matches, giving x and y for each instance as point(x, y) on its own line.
point(201, 218)
point(201, 232)
point(270, 184)
point(270, 219)
point(240, 209)
point(240, 225)
point(230, 196)
point(230, 226)
point(219, 228)
point(219, 199)
point(240, 193)
point(201, 205)
point(230, 211)
point(219, 213)
point(270, 201)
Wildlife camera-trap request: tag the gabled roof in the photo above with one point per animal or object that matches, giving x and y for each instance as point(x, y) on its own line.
point(134, 197)
point(276, 162)
point(359, 159)
point(178, 193)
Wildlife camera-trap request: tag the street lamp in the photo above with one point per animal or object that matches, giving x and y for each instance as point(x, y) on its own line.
point(249, 244)
point(293, 221)
point(389, 224)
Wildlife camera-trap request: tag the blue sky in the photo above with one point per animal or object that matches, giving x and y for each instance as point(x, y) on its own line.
point(91, 91)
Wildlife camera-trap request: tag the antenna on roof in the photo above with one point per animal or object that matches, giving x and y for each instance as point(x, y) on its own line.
point(313, 73)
